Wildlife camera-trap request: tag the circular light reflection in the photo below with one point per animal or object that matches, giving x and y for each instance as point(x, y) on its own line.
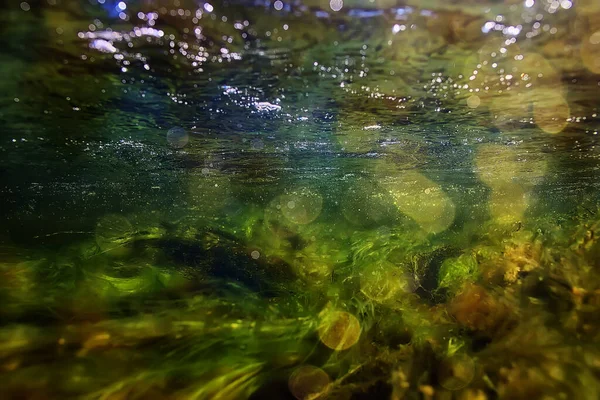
point(301, 206)
point(590, 52)
point(473, 101)
point(383, 281)
point(308, 382)
point(550, 111)
point(423, 200)
point(177, 137)
point(339, 330)
point(336, 5)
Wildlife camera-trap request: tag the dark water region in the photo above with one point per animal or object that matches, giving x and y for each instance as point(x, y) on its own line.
point(299, 199)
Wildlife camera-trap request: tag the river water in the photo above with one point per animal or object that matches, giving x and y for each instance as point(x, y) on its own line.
point(299, 199)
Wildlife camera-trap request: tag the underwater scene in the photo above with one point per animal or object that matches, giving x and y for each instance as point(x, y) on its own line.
point(300, 199)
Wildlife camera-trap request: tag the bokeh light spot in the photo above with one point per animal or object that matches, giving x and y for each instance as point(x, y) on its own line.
point(308, 382)
point(339, 330)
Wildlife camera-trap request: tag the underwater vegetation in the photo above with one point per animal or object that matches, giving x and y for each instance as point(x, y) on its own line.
point(176, 311)
point(304, 200)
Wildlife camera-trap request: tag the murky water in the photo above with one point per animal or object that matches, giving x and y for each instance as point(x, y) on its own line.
point(277, 200)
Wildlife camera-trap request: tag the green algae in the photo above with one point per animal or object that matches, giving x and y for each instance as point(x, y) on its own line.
point(343, 213)
point(454, 273)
